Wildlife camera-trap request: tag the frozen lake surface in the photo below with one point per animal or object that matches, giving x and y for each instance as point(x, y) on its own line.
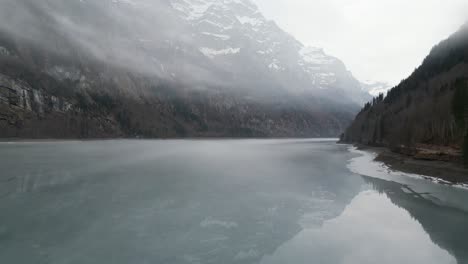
point(220, 201)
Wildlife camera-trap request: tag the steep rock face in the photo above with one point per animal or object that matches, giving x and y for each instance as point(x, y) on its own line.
point(164, 69)
point(28, 112)
point(429, 108)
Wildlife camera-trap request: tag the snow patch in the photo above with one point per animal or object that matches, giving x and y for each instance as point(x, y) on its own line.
point(125, 2)
point(220, 36)
point(212, 53)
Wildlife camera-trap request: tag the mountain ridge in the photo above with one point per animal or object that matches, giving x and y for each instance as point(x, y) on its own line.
point(147, 68)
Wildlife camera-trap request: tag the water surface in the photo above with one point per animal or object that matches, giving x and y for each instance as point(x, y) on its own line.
point(220, 201)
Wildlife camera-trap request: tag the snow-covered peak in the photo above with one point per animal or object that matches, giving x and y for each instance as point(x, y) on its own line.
point(375, 88)
point(126, 2)
point(211, 53)
point(239, 41)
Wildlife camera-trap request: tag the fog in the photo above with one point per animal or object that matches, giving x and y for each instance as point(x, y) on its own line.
point(161, 38)
point(378, 44)
point(120, 33)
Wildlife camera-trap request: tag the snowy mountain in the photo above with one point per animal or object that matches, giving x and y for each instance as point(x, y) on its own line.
point(193, 57)
point(375, 88)
point(235, 36)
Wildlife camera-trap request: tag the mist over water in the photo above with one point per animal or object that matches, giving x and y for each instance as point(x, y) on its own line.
point(218, 201)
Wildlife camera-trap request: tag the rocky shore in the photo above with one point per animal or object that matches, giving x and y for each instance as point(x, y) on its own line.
point(431, 161)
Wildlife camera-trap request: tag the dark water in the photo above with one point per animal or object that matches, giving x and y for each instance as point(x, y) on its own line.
point(246, 201)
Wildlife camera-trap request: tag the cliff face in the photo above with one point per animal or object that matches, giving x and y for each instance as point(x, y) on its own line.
point(34, 112)
point(426, 114)
point(86, 99)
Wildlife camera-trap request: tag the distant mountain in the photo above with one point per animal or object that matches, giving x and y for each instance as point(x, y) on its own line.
point(240, 42)
point(164, 68)
point(426, 115)
point(375, 88)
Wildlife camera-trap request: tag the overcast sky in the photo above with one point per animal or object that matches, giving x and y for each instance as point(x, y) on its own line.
point(381, 40)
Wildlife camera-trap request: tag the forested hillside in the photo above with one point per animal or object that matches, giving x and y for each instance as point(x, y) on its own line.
point(426, 114)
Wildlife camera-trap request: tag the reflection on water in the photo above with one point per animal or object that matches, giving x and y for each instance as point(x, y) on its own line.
point(370, 230)
point(247, 201)
point(446, 226)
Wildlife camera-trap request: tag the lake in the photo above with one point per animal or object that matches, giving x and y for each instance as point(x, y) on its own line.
point(221, 201)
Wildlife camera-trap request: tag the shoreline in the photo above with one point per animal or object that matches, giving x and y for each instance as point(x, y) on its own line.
point(160, 139)
point(446, 172)
point(38, 141)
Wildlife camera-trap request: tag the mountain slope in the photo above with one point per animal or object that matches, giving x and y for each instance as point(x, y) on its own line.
point(164, 68)
point(427, 114)
point(235, 31)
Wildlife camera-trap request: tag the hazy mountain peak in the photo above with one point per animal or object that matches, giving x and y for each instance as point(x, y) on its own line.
point(375, 87)
point(235, 30)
